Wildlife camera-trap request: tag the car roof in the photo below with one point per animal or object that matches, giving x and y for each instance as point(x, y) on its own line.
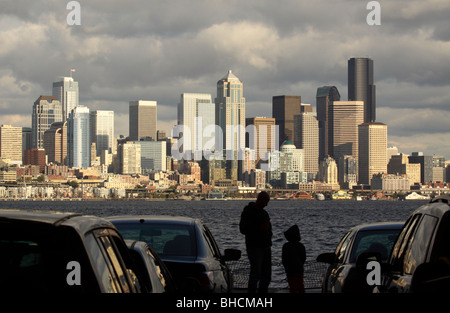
point(378, 226)
point(83, 223)
point(436, 207)
point(153, 218)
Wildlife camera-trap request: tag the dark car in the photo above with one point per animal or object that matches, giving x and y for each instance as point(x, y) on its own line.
point(186, 246)
point(347, 270)
point(151, 272)
point(51, 252)
point(420, 259)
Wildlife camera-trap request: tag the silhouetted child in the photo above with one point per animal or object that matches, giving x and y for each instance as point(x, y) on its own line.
point(293, 258)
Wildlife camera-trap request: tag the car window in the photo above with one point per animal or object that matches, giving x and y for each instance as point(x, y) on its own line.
point(417, 252)
point(403, 242)
point(441, 247)
point(342, 247)
point(210, 242)
point(165, 239)
point(380, 241)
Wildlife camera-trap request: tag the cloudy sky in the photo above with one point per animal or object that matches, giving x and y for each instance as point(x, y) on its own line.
point(156, 50)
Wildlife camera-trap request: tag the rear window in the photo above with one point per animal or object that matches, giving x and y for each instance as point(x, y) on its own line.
point(165, 239)
point(380, 241)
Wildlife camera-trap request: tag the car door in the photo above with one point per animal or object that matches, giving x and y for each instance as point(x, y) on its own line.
point(333, 281)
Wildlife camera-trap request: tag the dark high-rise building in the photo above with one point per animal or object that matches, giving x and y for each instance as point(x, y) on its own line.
point(360, 85)
point(284, 108)
point(324, 99)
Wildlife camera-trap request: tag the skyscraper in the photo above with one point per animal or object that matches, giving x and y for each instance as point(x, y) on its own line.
point(306, 134)
point(230, 112)
point(284, 108)
point(11, 143)
point(55, 143)
point(66, 91)
point(324, 99)
point(360, 85)
point(142, 119)
point(196, 112)
point(79, 145)
point(372, 154)
point(102, 131)
point(46, 111)
point(346, 116)
point(266, 137)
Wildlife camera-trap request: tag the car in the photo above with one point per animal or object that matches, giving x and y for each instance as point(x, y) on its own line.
point(53, 252)
point(420, 259)
point(151, 272)
point(347, 270)
point(186, 246)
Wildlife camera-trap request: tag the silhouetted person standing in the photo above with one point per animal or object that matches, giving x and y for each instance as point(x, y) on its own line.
point(293, 258)
point(255, 225)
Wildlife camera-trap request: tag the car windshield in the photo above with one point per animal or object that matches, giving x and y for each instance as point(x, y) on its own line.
point(165, 239)
point(374, 241)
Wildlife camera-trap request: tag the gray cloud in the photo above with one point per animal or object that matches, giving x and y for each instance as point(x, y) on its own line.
point(126, 50)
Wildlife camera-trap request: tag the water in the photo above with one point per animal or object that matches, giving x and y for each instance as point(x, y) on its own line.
point(322, 223)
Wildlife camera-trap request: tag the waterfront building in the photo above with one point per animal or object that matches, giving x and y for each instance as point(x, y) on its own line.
point(153, 155)
point(197, 113)
point(325, 96)
point(142, 119)
point(328, 172)
point(129, 158)
point(79, 143)
point(390, 182)
point(346, 116)
point(288, 159)
point(102, 131)
point(347, 171)
point(67, 93)
point(372, 150)
point(284, 108)
point(55, 143)
point(399, 164)
point(11, 143)
point(27, 139)
point(35, 157)
point(306, 134)
point(361, 85)
point(46, 111)
point(426, 166)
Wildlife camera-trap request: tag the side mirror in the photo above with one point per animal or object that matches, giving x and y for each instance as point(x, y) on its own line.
point(231, 255)
point(328, 257)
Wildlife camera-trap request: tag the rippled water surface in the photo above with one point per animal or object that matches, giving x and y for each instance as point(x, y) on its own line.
point(321, 223)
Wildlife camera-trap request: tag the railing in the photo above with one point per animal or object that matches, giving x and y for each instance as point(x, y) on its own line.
point(313, 274)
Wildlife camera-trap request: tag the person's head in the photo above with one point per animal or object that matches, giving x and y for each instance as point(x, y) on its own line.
point(263, 199)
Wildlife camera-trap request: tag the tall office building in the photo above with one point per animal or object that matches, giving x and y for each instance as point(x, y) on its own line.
point(79, 143)
point(142, 119)
point(284, 108)
point(346, 116)
point(55, 143)
point(11, 143)
point(129, 157)
point(264, 137)
point(102, 131)
point(372, 138)
point(360, 85)
point(67, 93)
point(324, 99)
point(46, 111)
point(306, 134)
point(197, 113)
point(153, 155)
point(230, 112)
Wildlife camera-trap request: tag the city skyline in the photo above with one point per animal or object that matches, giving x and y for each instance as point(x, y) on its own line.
point(153, 51)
